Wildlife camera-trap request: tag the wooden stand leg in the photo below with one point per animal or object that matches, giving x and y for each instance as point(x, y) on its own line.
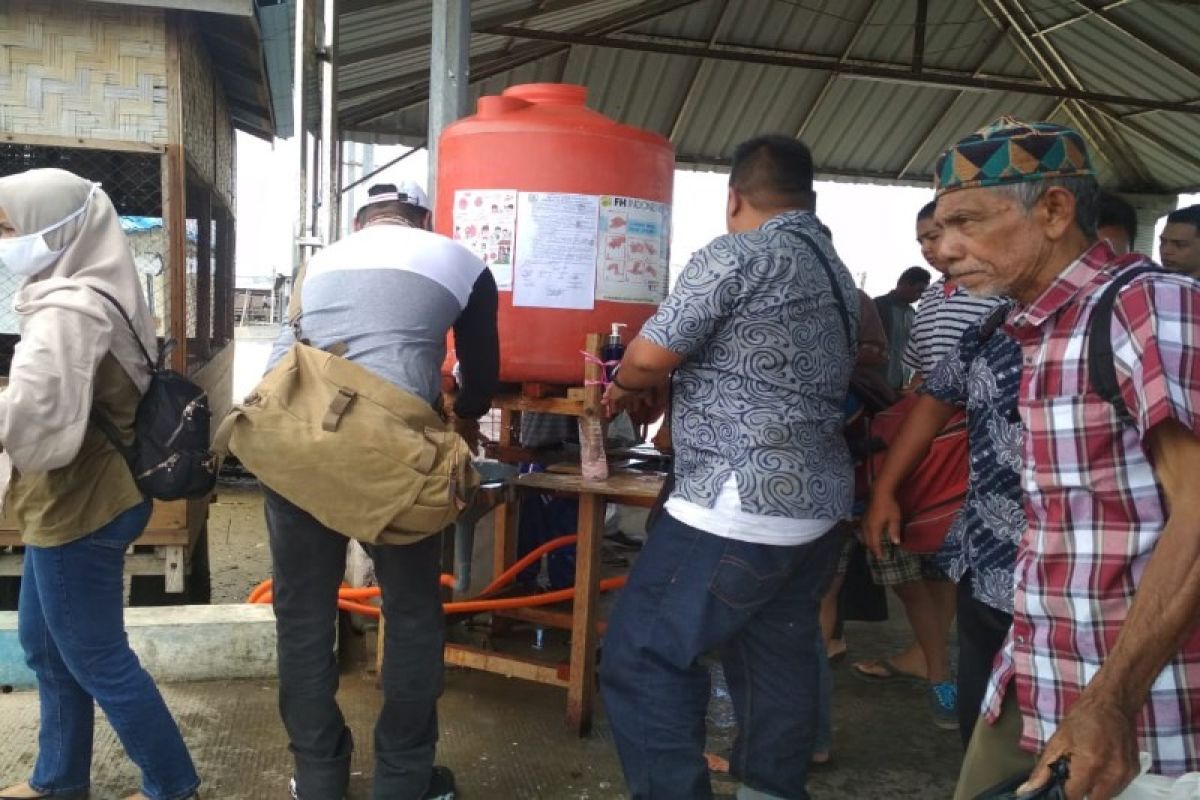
point(504, 547)
point(581, 693)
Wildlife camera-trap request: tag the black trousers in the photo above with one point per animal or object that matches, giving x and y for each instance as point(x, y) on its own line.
point(308, 563)
point(981, 633)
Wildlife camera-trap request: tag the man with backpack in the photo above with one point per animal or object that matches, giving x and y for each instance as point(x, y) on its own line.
point(1103, 659)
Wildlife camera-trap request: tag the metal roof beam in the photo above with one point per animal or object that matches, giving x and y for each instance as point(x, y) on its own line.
point(1079, 17)
point(1145, 111)
point(831, 62)
point(936, 119)
point(1056, 68)
point(1152, 138)
point(868, 176)
point(689, 96)
point(626, 18)
point(833, 76)
point(954, 80)
point(1140, 37)
point(421, 38)
point(918, 59)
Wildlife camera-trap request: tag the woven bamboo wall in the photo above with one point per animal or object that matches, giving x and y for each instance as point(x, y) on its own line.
point(198, 91)
point(207, 126)
point(83, 70)
point(226, 154)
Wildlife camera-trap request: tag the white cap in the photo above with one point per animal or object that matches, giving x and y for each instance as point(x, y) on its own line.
point(409, 192)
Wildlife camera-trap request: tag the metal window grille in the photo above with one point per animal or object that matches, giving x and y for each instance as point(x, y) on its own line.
point(134, 184)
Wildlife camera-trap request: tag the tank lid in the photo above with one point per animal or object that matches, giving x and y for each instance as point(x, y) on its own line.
point(559, 94)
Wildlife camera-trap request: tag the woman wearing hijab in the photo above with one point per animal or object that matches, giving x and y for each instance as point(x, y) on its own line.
point(68, 488)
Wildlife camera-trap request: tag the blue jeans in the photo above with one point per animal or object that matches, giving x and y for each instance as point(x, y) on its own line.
point(689, 593)
point(71, 623)
point(308, 562)
point(824, 740)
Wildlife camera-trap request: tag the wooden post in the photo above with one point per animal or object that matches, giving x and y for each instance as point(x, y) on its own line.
point(204, 272)
point(581, 693)
point(174, 195)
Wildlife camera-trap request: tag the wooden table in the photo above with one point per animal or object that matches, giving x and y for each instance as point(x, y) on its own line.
point(579, 679)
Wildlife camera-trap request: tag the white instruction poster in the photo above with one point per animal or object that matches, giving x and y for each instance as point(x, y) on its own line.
point(555, 264)
point(484, 222)
point(631, 265)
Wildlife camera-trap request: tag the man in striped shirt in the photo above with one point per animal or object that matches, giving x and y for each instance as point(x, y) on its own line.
point(945, 312)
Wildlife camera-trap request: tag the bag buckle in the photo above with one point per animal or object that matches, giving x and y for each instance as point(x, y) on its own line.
point(337, 409)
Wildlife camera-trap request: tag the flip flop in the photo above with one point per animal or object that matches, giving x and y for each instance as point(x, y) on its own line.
point(892, 672)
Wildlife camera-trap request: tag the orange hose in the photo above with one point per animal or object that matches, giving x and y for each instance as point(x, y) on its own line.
point(510, 574)
point(349, 597)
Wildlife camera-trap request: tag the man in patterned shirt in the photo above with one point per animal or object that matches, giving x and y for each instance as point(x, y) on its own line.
point(1103, 659)
point(760, 333)
point(982, 376)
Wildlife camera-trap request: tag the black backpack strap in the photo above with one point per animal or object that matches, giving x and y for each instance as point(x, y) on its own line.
point(128, 321)
point(837, 290)
point(1102, 370)
point(114, 437)
point(992, 322)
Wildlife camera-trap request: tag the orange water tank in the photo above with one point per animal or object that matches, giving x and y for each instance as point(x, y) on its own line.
point(570, 210)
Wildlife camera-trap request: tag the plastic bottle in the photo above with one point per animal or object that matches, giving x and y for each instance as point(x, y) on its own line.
point(613, 350)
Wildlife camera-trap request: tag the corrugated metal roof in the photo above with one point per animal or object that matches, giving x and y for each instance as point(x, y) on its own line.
point(837, 73)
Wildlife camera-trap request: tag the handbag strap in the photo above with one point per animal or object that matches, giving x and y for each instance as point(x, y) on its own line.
point(833, 284)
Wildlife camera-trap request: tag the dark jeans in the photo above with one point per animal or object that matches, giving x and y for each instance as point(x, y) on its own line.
point(981, 633)
point(72, 629)
point(691, 592)
point(309, 561)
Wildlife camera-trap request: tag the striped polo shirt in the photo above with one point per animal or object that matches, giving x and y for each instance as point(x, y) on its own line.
point(390, 293)
point(943, 315)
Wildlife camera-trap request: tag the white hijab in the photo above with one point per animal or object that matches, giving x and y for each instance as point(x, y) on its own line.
point(95, 255)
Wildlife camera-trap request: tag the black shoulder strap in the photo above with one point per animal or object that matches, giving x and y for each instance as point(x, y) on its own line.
point(993, 321)
point(1102, 371)
point(837, 290)
point(146, 353)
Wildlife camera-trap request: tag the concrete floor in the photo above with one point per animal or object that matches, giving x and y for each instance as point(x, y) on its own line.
point(504, 738)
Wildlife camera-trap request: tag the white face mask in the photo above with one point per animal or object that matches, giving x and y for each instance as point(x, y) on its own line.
point(29, 255)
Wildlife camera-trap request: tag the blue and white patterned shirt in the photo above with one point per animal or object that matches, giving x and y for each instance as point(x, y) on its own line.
point(984, 377)
point(766, 370)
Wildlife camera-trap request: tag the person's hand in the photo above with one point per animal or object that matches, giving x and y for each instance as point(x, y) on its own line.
point(662, 440)
point(617, 400)
point(1098, 740)
point(882, 520)
point(468, 429)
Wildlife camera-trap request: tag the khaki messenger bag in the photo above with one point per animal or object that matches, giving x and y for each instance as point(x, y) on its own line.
point(362, 456)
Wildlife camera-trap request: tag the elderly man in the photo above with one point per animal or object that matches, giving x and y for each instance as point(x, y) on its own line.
point(760, 334)
point(1103, 659)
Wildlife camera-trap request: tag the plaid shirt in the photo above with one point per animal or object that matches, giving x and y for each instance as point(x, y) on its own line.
point(1095, 509)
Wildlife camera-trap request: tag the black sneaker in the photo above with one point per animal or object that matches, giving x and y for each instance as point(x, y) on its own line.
point(441, 785)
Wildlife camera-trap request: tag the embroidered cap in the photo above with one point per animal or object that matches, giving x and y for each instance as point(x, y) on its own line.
point(1011, 151)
